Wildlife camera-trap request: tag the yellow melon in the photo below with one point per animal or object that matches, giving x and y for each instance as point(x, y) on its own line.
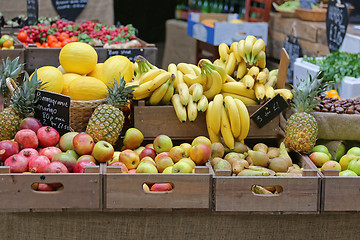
point(68, 78)
point(116, 66)
point(78, 57)
point(97, 72)
point(87, 88)
point(53, 77)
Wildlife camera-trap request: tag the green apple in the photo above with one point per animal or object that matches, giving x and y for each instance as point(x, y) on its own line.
point(354, 150)
point(73, 153)
point(103, 151)
point(320, 148)
point(347, 173)
point(344, 160)
point(340, 152)
point(354, 165)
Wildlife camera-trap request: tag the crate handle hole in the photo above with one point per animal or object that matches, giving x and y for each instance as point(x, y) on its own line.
point(47, 187)
point(266, 190)
point(157, 187)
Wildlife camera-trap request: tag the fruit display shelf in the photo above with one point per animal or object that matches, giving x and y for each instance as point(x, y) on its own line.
point(300, 193)
point(79, 191)
point(151, 120)
point(123, 192)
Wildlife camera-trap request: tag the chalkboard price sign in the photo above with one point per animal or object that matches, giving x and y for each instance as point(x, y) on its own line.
point(69, 9)
point(129, 53)
point(337, 19)
point(32, 11)
point(53, 110)
point(269, 110)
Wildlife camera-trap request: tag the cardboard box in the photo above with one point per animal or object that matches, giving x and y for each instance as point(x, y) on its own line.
point(224, 31)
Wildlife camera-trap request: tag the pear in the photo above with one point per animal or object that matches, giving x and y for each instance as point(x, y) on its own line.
point(259, 158)
point(273, 152)
point(239, 165)
point(284, 154)
point(278, 164)
point(223, 164)
point(261, 147)
point(240, 147)
point(232, 156)
point(217, 150)
point(249, 172)
point(214, 161)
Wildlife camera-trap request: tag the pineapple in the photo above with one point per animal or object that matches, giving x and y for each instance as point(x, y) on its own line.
point(22, 105)
point(301, 128)
point(107, 120)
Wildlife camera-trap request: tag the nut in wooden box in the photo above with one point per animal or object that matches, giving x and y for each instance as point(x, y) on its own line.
point(79, 191)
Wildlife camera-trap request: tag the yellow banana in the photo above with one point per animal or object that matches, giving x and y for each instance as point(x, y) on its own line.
point(225, 129)
point(234, 116)
point(159, 93)
point(214, 136)
point(219, 69)
point(169, 93)
point(241, 70)
point(259, 89)
point(219, 63)
point(150, 75)
point(196, 91)
point(136, 66)
point(244, 119)
point(172, 68)
point(196, 69)
point(273, 72)
point(142, 96)
point(233, 46)
point(271, 81)
point(266, 71)
point(258, 46)
point(191, 109)
point(249, 42)
point(185, 68)
point(183, 91)
point(191, 79)
point(230, 64)
point(269, 92)
point(260, 190)
point(215, 86)
point(208, 82)
point(241, 50)
point(260, 59)
point(179, 78)
point(132, 83)
point(159, 80)
point(253, 72)
point(285, 93)
point(215, 114)
point(261, 77)
point(229, 79)
point(238, 88)
point(245, 100)
point(202, 104)
point(223, 51)
point(235, 49)
point(248, 81)
point(142, 89)
point(180, 110)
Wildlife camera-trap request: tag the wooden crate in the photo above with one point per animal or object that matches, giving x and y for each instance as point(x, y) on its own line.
point(18, 51)
point(82, 191)
point(300, 194)
point(123, 191)
point(155, 120)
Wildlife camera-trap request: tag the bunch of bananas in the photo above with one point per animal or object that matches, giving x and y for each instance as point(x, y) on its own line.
point(141, 66)
point(227, 117)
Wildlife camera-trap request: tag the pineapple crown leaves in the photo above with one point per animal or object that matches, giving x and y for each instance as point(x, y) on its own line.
point(10, 69)
point(305, 92)
point(118, 94)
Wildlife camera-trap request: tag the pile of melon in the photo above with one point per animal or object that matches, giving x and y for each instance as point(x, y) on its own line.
point(80, 76)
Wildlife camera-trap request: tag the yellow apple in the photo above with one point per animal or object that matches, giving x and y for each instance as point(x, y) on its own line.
point(177, 153)
point(182, 167)
point(148, 159)
point(168, 170)
point(201, 139)
point(163, 163)
point(187, 147)
point(146, 187)
point(139, 150)
point(146, 167)
point(130, 158)
point(133, 138)
point(115, 157)
point(162, 143)
point(160, 155)
point(188, 161)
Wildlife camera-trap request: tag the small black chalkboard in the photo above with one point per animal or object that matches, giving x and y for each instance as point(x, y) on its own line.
point(269, 110)
point(32, 11)
point(53, 110)
point(69, 9)
point(337, 19)
point(293, 48)
point(129, 53)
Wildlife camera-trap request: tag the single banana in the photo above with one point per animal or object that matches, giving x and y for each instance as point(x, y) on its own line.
point(223, 51)
point(261, 77)
point(202, 104)
point(183, 91)
point(208, 82)
point(215, 86)
point(248, 81)
point(180, 110)
point(172, 68)
point(215, 115)
point(253, 72)
point(271, 81)
point(241, 70)
point(142, 90)
point(185, 68)
point(233, 46)
point(273, 72)
point(191, 79)
point(225, 129)
point(196, 90)
point(169, 93)
point(244, 119)
point(269, 92)
point(249, 172)
point(258, 46)
point(249, 42)
point(260, 59)
point(229, 79)
point(230, 63)
point(196, 69)
point(285, 93)
point(266, 71)
point(219, 69)
point(141, 96)
point(136, 66)
point(260, 190)
point(241, 50)
point(235, 49)
point(238, 88)
point(192, 109)
point(219, 63)
point(179, 78)
point(150, 75)
point(159, 80)
point(234, 116)
point(159, 93)
point(245, 100)
point(213, 136)
point(259, 89)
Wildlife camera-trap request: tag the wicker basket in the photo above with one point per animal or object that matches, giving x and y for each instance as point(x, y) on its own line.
point(80, 112)
point(314, 15)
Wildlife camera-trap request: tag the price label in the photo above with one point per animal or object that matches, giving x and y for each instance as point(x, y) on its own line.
point(69, 9)
point(129, 53)
point(337, 19)
point(269, 110)
point(53, 110)
point(32, 11)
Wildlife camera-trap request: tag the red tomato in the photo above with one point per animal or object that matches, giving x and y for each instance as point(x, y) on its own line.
point(51, 38)
point(22, 36)
point(73, 39)
point(63, 36)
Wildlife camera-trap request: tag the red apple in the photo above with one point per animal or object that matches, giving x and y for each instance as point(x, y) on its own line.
point(177, 153)
point(149, 145)
point(26, 138)
point(130, 158)
point(160, 155)
point(48, 136)
point(44, 187)
point(83, 144)
point(66, 141)
point(148, 152)
point(200, 153)
point(121, 165)
point(30, 123)
point(161, 187)
point(103, 151)
point(80, 166)
point(7, 149)
point(50, 152)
